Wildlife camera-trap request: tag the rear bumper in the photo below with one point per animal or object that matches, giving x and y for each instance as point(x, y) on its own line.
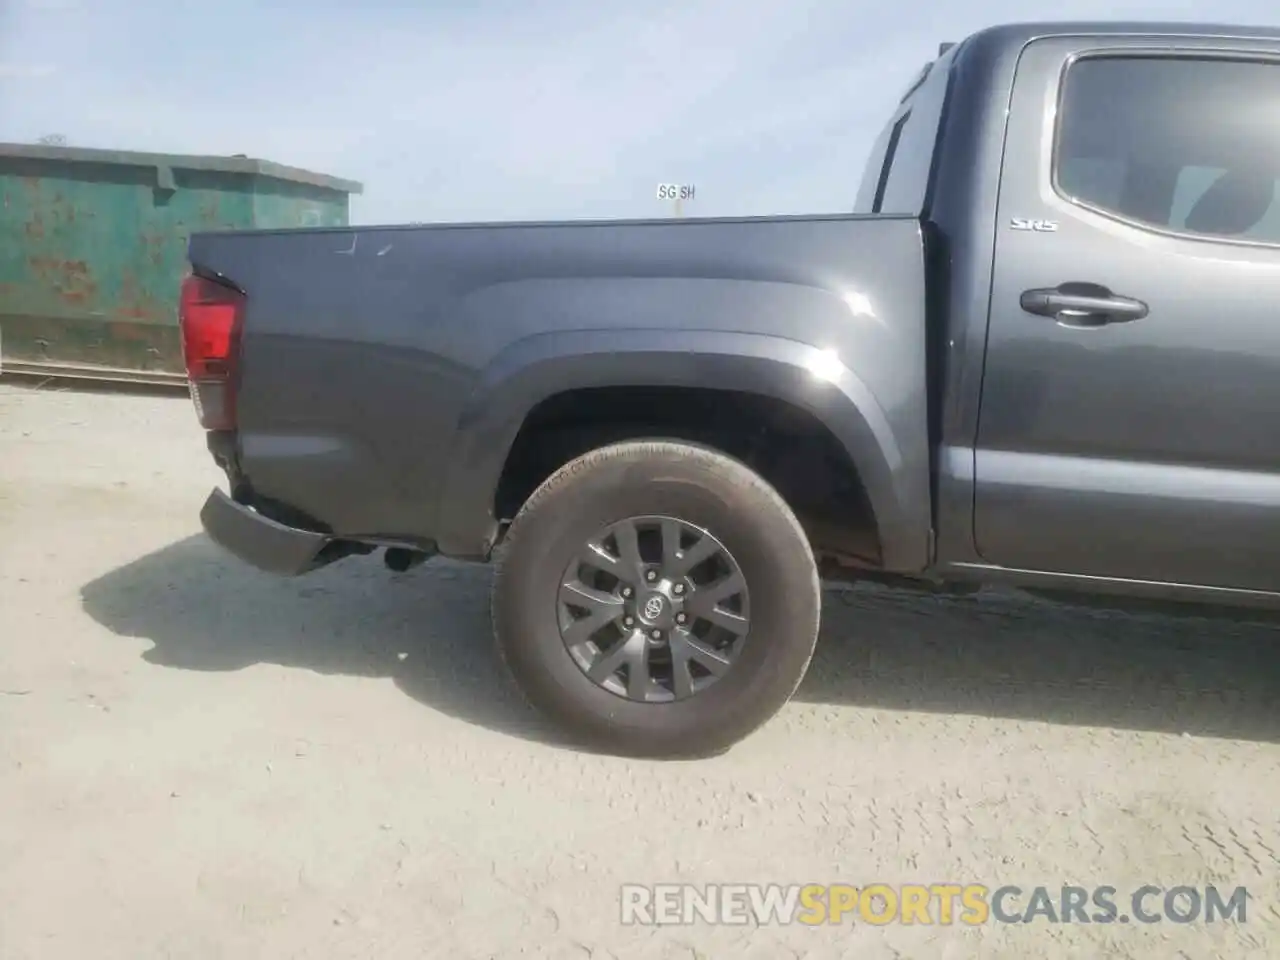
point(260, 541)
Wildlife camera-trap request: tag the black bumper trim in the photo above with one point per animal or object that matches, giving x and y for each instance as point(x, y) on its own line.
point(261, 541)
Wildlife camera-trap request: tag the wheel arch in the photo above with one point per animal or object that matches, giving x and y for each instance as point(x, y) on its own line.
point(541, 367)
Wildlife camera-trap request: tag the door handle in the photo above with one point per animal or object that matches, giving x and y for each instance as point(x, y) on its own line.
point(1082, 305)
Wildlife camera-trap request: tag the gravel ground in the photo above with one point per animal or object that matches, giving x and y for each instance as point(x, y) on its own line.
point(200, 761)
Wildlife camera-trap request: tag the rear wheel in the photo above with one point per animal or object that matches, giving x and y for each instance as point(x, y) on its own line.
point(657, 598)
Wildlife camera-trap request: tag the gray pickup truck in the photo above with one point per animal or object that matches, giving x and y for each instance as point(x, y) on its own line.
point(1043, 351)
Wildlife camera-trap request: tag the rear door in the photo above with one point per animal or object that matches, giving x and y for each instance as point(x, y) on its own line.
point(1130, 418)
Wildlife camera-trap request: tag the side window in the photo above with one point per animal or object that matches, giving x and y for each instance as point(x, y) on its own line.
point(1194, 182)
point(882, 183)
point(898, 174)
point(909, 174)
point(877, 169)
point(1176, 143)
point(1099, 180)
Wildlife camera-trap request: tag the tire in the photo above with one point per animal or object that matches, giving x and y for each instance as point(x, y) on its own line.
point(767, 632)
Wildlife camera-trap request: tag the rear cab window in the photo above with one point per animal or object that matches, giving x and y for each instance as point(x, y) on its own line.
point(899, 171)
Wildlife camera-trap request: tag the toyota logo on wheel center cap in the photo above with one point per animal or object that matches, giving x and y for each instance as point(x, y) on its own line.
point(653, 607)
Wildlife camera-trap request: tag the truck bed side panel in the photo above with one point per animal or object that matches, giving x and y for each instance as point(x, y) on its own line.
point(369, 354)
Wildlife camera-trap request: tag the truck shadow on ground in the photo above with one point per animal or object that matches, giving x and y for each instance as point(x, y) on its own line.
point(428, 629)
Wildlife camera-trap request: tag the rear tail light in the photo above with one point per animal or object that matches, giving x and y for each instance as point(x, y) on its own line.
point(210, 318)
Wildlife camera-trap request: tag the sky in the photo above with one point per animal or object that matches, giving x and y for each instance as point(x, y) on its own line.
point(511, 109)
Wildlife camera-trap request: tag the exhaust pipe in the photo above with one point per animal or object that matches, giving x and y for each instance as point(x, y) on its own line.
point(400, 559)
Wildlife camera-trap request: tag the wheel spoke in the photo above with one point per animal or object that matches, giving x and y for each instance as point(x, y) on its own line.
point(602, 608)
point(678, 564)
point(681, 678)
point(670, 544)
point(685, 647)
point(578, 594)
point(629, 553)
point(735, 623)
point(608, 663)
point(724, 589)
point(638, 670)
point(580, 631)
point(598, 558)
point(705, 604)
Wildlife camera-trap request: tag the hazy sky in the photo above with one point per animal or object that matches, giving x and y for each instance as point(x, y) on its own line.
point(515, 109)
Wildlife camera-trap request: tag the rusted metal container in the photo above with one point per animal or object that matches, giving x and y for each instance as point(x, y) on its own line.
point(93, 249)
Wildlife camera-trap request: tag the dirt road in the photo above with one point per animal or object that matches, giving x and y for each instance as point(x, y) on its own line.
point(198, 761)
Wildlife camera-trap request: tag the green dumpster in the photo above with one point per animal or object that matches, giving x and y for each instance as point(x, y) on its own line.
point(93, 249)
